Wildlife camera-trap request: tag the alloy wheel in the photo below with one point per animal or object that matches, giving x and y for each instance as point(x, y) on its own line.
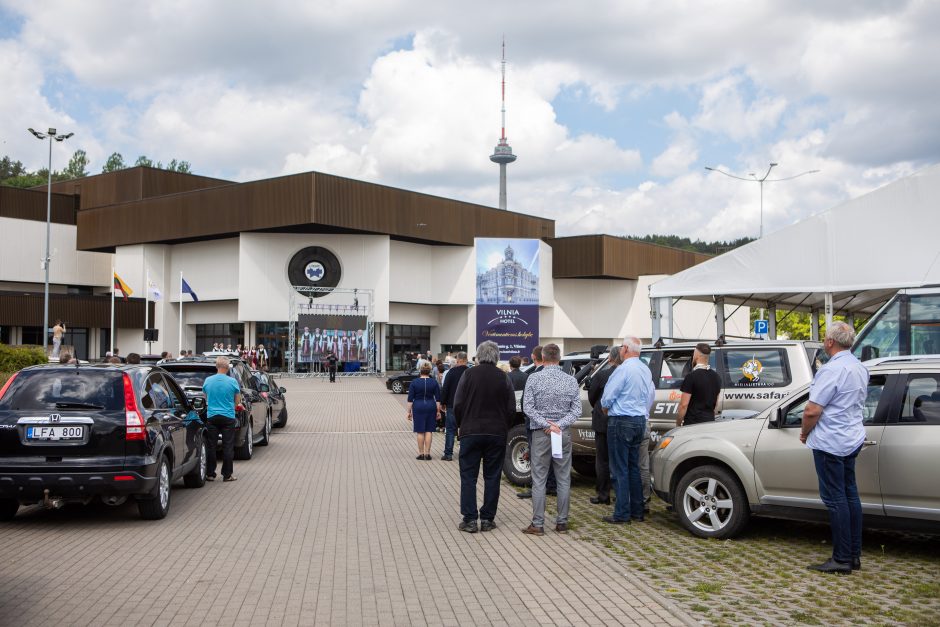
point(164, 488)
point(707, 504)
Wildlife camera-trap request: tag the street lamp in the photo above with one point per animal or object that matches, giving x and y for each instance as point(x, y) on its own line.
point(760, 182)
point(50, 135)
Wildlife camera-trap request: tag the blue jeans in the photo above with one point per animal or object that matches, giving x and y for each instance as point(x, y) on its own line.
point(624, 436)
point(450, 432)
point(839, 492)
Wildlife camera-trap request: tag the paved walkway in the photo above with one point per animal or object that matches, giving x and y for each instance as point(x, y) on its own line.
point(334, 523)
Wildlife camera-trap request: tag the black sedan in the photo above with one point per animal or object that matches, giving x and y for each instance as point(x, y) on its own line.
point(399, 383)
point(274, 394)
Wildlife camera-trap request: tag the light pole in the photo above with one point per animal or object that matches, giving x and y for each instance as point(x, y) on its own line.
point(51, 135)
point(760, 181)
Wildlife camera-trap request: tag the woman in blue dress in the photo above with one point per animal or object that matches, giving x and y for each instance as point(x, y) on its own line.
point(424, 405)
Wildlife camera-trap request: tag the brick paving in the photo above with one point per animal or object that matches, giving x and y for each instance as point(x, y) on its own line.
point(334, 523)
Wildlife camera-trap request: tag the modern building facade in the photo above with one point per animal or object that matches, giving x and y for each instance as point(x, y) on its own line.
point(242, 246)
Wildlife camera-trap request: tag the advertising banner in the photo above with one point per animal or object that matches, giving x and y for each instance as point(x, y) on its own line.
point(318, 334)
point(508, 294)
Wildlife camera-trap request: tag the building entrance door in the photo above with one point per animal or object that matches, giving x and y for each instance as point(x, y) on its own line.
point(275, 337)
point(402, 342)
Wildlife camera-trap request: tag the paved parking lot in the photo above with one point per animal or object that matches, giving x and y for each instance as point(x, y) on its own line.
point(334, 523)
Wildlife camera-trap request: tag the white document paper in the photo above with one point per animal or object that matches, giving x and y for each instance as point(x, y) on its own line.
point(556, 445)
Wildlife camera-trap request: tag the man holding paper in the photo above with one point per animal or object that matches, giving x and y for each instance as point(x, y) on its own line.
point(552, 402)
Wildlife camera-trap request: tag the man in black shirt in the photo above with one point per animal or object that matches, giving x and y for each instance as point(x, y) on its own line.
point(599, 424)
point(700, 390)
point(331, 360)
point(448, 394)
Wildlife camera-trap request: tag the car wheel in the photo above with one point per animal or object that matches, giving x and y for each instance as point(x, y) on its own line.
point(711, 502)
point(8, 508)
point(397, 387)
point(266, 434)
point(247, 448)
point(157, 505)
point(584, 466)
point(282, 418)
point(516, 466)
point(196, 478)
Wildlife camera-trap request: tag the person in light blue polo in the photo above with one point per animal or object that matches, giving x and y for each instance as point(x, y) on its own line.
point(223, 395)
point(832, 427)
point(627, 400)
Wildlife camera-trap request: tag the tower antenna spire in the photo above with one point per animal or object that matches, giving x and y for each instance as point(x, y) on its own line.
point(502, 154)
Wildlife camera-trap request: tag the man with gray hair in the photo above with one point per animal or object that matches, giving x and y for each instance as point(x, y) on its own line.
point(627, 399)
point(552, 402)
point(223, 397)
point(484, 407)
point(832, 427)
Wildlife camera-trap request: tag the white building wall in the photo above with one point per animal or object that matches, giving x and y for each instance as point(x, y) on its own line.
point(211, 268)
point(24, 246)
point(454, 327)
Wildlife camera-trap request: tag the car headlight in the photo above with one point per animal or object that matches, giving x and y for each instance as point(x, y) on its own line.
point(664, 442)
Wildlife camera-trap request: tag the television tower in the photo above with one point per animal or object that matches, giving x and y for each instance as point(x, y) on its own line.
point(502, 154)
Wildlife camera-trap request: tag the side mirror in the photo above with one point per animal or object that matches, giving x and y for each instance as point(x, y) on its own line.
point(776, 419)
point(198, 403)
point(283, 390)
point(869, 352)
point(265, 388)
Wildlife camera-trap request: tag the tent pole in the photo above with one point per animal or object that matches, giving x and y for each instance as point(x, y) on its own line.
point(814, 325)
point(719, 316)
point(828, 309)
point(772, 321)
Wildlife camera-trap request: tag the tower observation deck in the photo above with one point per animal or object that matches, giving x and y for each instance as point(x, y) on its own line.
point(502, 154)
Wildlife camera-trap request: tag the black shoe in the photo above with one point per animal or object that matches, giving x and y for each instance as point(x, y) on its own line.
point(420, 457)
point(637, 518)
point(856, 563)
point(525, 494)
point(596, 500)
point(469, 527)
point(447, 458)
point(210, 477)
point(615, 521)
point(832, 566)
point(487, 525)
point(427, 458)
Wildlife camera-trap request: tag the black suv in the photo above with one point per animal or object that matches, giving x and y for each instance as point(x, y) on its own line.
point(73, 433)
point(254, 423)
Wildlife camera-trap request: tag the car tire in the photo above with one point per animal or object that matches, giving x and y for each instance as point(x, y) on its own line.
point(8, 508)
point(247, 449)
point(196, 478)
point(282, 418)
point(266, 433)
point(156, 505)
point(584, 466)
point(711, 503)
point(516, 465)
point(398, 387)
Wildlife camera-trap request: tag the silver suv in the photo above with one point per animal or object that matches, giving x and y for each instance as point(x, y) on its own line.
point(716, 475)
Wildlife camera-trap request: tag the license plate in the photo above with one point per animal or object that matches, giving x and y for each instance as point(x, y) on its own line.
point(55, 432)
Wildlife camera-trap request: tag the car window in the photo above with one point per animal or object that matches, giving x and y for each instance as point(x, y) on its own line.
point(921, 400)
point(43, 389)
point(794, 415)
point(755, 368)
point(155, 394)
point(677, 364)
point(194, 378)
point(876, 384)
point(177, 398)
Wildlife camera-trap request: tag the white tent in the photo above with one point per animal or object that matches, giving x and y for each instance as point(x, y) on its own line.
point(849, 259)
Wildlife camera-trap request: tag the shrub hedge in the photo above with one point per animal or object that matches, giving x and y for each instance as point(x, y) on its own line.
point(13, 358)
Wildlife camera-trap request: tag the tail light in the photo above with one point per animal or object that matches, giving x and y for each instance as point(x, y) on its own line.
point(3, 390)
point(133, 421)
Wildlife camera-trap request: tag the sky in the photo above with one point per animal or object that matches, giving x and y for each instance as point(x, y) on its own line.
point(614, 108)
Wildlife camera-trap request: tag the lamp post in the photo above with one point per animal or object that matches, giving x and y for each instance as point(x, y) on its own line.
point(760, 181)
point(50, 135)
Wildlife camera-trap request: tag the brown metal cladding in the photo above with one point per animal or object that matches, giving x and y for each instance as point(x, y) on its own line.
point(18, 309)
point(30, 204)
point(605, 256)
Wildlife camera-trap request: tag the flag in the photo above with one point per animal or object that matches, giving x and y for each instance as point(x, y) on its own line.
point(188, 290)
point(155, 293)
point(119, 284)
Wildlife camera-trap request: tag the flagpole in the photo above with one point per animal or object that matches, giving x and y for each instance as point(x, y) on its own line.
point(147, 307)
point(180, 349)
point(112, 309)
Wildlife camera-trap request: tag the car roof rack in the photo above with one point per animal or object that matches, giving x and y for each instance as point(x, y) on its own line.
point(901, 359)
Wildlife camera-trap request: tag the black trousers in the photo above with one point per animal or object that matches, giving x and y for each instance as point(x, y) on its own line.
point(332, 374)
point(490, 450)
point(602, 466)
point(227, 427)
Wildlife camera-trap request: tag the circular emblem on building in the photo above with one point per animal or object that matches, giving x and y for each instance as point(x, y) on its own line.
point(314, 266)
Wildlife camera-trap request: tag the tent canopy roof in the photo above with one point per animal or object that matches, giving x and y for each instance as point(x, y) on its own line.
point(861, 251)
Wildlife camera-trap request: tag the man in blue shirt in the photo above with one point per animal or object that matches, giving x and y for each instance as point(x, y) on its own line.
point(627, 400)
point(223, 397)
point(832, 427)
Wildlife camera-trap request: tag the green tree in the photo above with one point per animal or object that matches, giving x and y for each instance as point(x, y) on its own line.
point(798, 325)
point(114, 163)
point(10, 168)
point(77, 167)
point(145, 161)
point(28, 179)
point(179, 166)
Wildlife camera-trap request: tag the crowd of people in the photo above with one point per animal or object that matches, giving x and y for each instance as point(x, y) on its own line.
point(256, 356)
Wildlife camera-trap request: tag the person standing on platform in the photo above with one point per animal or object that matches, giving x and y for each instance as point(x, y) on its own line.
point(599, 424)
point(58, 332)
point(331, 361)
point(424, 404)
point(448, 394)
point(223, 398)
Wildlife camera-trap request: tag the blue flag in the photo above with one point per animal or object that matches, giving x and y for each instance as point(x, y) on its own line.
point(189, 290)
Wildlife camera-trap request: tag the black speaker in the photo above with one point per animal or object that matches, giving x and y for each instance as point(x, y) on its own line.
point(151, 335)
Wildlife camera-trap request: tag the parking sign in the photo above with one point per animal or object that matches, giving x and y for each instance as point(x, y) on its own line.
point(761, 327)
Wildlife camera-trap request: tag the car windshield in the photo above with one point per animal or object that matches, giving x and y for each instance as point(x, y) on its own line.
point(65, 388)
point(193, 378)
